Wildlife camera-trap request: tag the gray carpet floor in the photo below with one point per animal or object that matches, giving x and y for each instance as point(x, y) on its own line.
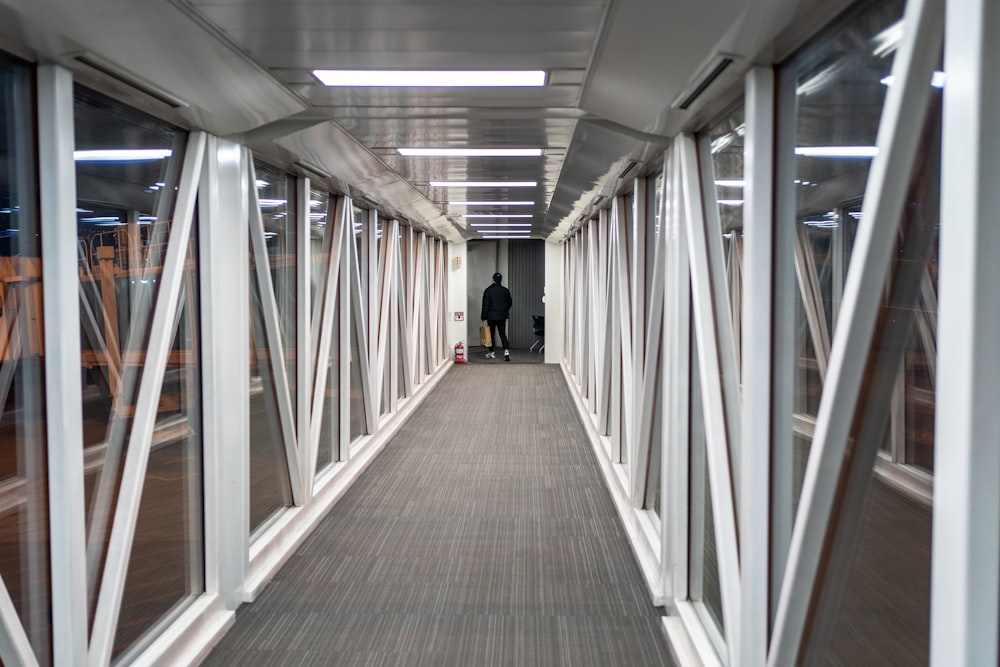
point(481, 535)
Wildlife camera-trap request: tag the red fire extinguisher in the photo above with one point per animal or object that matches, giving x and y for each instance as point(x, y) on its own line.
point(459, 353)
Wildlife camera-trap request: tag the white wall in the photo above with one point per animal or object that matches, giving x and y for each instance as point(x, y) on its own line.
point(555, 313)
point(458, 288)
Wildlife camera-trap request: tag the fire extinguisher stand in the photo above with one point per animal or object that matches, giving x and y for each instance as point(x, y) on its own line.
point(460, 353)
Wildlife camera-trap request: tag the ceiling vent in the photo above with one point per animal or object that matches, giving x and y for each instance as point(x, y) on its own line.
point(627, 170)
point(706, 76)
point(311, 171)
point(112, 70)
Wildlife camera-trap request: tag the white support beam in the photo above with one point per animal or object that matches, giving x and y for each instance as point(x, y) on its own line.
point(675, 346)
point(965, 578)
point(63, 398)
point(303, 342)
point(368, 272)
point(346, 319)
point(758, 240)
point(223, 242)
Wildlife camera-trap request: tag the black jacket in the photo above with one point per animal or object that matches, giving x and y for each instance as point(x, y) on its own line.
point(496, 303)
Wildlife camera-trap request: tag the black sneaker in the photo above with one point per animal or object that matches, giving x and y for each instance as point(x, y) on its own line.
point(506, 355)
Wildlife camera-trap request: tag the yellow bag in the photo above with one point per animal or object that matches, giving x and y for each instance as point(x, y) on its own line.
point(485, 339)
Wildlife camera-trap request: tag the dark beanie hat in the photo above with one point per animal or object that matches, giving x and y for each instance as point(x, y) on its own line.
point(497, 278)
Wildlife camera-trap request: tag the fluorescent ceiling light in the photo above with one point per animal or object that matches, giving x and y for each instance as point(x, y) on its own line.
point(500, 224)
point(271, 203)
point(730, 202)
point(837, 151)
point(122, 155)
point(516, 236)
point(937, 79)
point(498, 215)
point(430, 78)
point(731, 184)
point(470, 152)
point(483, 184)
point(490, 203)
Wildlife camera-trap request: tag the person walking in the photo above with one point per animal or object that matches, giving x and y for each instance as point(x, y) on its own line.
point(496, 309)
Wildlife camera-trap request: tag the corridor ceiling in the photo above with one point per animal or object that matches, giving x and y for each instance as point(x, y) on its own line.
point(616, 73)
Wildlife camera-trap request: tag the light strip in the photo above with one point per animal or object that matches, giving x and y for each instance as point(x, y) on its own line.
point(506, 237)
point(470, 152)
point(122, 155)
point(837, 151)
point(430, 78)
point(498, 215)
point(490, 203)
point(499, 224)
point(483, 184)
point(731, 184)
point(730, 202)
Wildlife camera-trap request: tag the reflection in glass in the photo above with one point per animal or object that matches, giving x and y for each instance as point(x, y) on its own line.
point(840, 89)
point(839, 97)
point(24, 547)
point(726, 145)
point(174, 472)
point(124, 224)
point(270, 486)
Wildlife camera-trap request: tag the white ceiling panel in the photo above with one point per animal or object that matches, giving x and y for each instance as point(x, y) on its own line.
point(244, 69)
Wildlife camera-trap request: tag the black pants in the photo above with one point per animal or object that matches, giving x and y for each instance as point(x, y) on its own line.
point(498, 327)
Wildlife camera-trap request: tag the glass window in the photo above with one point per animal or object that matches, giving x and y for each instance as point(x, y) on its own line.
point(124, 224)
point(654, 205)
point(840, 83)
point(358, 424)
point(726, 141)
point(704, 586)
point(320, 245)
point(24, 555)
point(270, 486)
